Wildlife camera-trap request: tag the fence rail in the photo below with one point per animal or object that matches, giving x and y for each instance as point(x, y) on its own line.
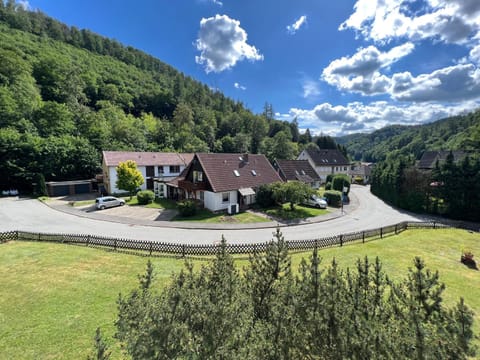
point(188, 250)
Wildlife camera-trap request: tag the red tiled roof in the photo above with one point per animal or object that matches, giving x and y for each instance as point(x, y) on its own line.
point(297, 170)
point(113, 158)
point(253, 170)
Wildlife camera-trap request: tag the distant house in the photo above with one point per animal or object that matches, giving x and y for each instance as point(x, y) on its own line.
point(326, 162)
point(361, 170)
point(430, 158)
point(297, 170)
point(225, 181)
point(157, 168)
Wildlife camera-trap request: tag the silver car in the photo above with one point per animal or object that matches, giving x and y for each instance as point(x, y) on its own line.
point(107, 202)
point(315, 201)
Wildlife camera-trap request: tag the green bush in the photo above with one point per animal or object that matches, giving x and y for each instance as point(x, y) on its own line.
point(328, 186)
point(145, 197)
point(329, 178)
point(339, 181)
point(334, 198)
point(187, 208)
point(264, 196)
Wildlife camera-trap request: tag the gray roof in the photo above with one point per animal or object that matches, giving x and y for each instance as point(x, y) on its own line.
point(429, 158)
point(326, 157)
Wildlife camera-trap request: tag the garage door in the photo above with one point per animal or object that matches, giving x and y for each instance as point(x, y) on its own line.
point(60, 190)
point(82, 188)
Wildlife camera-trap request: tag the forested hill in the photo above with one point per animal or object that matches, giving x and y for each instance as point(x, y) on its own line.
point(454, 133)
point(67, 94)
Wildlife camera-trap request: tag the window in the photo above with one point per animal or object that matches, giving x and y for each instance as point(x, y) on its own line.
point(254, 173)
point(174, 169)
point(237, 174)
point(225, 197)
point(160, 170)
point(197, 176)
point(202, 195)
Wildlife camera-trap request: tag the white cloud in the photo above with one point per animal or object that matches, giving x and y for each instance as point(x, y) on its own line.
point(239, 87)
point(354, 117)
point(452, 21)
point(293, 28)
point(222, 43)
point(24, 4)
point(475, 55)
point(360, 72)
point(450, 84)
point(216, 2)
point(310, 89)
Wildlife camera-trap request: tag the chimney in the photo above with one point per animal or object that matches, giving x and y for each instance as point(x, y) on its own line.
point(245, 158)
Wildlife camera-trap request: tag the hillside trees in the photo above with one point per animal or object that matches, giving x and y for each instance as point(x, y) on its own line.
point(451, 189)
point(267, 312)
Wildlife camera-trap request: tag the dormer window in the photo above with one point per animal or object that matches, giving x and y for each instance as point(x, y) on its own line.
point(237, 174)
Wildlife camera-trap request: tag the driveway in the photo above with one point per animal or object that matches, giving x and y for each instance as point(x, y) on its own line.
point(32, 215)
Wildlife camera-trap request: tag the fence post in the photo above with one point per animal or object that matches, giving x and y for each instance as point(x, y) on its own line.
point(381, 233)
point(16, 235)
point(115, 244)
point(88, 240)
point(38, 237)
point(341, 240)
point(183, 250)
point(151, 245)
point(363, 237)
point(395, 229)
point(434, 224)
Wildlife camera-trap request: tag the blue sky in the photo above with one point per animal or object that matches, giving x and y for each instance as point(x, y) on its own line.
point(337, 66)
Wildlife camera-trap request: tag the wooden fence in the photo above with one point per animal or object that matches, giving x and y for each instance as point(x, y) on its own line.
point(150, 248)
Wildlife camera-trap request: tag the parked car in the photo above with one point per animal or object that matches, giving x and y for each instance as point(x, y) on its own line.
point(315, 201)
point(107, 202)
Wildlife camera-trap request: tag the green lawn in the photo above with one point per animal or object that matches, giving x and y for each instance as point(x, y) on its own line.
point(206, 216)
point(54, 296)
point(300, 212)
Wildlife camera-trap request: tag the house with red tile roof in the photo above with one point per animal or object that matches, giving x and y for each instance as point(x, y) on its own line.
point(225, 181)
point(297, 170)
point(157, 168)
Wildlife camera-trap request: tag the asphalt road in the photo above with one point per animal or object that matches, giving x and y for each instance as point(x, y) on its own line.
point(32, 215)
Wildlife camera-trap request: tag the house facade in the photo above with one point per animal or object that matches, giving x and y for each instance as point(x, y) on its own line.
point(225, 181)
point(157, 169)
point(297, 170)
point(326, 162)
point(361, 170)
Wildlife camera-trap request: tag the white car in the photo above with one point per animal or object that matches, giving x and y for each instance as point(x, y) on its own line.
point(107, 202)
point(315, 201)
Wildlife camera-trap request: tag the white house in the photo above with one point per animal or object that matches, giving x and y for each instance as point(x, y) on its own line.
point(326, 162)
point(225, 181)
point(157, 168)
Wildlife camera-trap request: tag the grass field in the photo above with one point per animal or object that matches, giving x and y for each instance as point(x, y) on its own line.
point(206, 216)
point(54, 296)
point(300, 212)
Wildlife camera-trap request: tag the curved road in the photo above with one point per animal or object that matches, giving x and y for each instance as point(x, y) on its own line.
point(32, 215)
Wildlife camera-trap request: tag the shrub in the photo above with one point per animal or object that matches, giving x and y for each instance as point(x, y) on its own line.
point(334, 198)
point(40, 188)
point(264, 196)
point(328, 186)
point(329, 178)
point(145, 197)
point(187, 208)
point(339, 181)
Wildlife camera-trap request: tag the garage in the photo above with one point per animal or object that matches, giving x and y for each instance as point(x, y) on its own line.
point(64, 188)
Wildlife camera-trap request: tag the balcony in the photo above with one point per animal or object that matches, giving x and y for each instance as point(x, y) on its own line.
point(190, 186)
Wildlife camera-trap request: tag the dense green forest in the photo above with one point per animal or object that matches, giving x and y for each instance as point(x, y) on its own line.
point(451, 189)
point(67, 94)
point(460, 132)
